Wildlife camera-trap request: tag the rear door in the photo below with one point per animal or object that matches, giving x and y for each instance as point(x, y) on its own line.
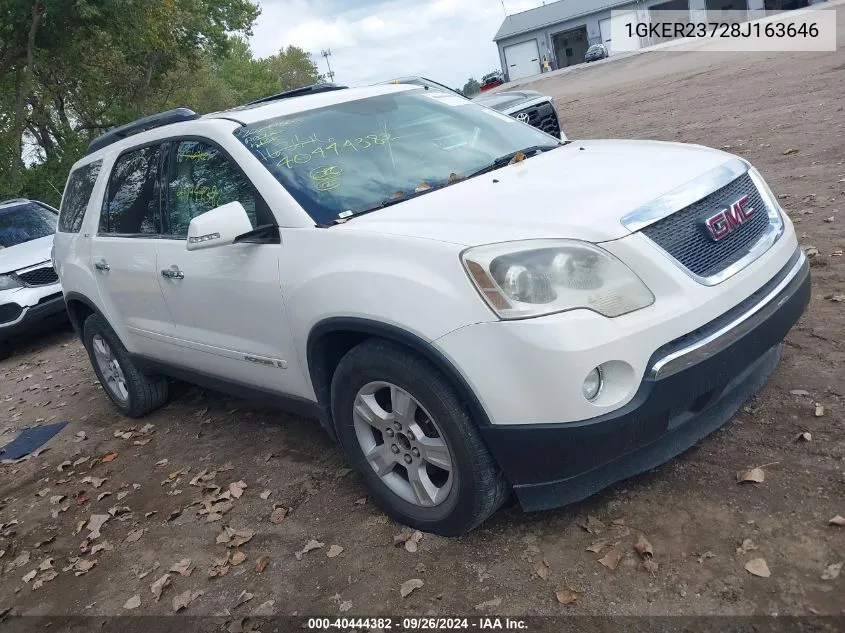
point(226, 302)
point(123, 252)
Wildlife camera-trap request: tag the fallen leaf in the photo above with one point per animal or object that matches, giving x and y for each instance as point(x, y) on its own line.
point(746, 546)
point(79, 526)
point(758, 567)
point(755, 475)
point(46, 564)
point(836, 298)
point(592, 525)
point(543, 570)
point(799, 392)
point(567, 596)
point(182, 600)
point(789, 151)
point(47, 576)
point(147, 429)
point(30, 575)
point(334, 550)
point(345, 606)
point(361, 501)
point(266, 494)
point(806, 436)
point(278, 515)
point(174, 515)
point(95, 524)
point(159, 586)
point(109, 458)
point(225, 467)
point(819, 410)
point(310, 545)
point(489, 604)
point(162, 462)
point(831, 572)
point(237, 558)
point(611, 559)
point(244, 597)
point(237, 488)
point(80, 436)
point(133, 603)
point(103, 495)
point(643, 547)
point(262, 563)
point(82, 567)
point(105, 546)
point(117, 510)
point(147, 515)
point(597, 546)
point(409, 586)
point(124, 435)
point(57, 499)
point(94, 481)
point(266, 608)
point(219, 568)
point(837, 520)
point(142, 442)
point(46, 541)
point(63, 465)
point(183, 567)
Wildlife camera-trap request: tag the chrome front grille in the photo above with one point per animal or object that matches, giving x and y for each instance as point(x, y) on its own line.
point(684, 234)
point(43, 276)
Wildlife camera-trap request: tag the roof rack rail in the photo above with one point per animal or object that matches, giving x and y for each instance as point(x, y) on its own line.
point(141, 125)
point(299, 92)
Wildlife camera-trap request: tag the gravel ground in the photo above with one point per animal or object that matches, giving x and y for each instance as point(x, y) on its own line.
point(784, 112)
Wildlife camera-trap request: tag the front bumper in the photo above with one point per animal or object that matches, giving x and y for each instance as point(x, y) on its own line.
point(30, 309)
point(693, 386)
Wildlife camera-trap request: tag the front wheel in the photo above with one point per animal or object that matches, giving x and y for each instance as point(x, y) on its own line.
point(408, 434)
point(134, 393)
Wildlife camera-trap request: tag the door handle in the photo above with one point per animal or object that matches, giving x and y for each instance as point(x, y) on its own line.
point(102, 265)
point(172, 273)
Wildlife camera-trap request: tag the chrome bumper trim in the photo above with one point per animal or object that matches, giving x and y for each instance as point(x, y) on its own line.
point(730, 332)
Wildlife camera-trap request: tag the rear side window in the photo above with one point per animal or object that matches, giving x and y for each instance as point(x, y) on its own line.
point(80, 184)
point(132, 201)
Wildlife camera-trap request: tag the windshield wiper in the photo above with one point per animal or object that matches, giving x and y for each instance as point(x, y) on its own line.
point(505, 160)
point(387, 203)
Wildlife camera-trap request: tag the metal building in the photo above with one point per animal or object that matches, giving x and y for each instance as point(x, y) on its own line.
point(562, 31)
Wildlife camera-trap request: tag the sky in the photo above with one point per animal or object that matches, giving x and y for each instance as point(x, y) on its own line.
point(375, 40)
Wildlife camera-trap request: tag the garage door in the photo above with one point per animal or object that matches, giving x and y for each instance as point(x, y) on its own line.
point(616, 26)
point(523, 60)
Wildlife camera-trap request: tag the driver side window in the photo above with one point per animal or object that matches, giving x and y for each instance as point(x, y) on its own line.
point(200, 178)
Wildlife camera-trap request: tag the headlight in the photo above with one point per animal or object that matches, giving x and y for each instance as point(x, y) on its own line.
point(7, 282)
point(537, 277)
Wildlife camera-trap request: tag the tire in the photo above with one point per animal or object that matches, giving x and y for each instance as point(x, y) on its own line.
point(5, 350)
point(142, 393)
point(472, 488)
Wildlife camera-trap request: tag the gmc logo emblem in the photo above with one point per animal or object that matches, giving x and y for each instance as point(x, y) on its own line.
point(726, 220)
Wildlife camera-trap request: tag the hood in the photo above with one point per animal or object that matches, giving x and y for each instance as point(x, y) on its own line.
point(508, 99)
point(579, 191)
point(26, 254)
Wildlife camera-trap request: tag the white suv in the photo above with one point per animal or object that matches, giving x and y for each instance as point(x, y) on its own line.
point(469, 305)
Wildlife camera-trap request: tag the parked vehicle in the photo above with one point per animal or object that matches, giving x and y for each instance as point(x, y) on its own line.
point(595, 52)
point(491, 80)
point(30, 294)
point(528, 106)
point(468, 305)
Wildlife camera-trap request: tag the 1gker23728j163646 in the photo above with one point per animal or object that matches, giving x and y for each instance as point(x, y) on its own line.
point(472, 307)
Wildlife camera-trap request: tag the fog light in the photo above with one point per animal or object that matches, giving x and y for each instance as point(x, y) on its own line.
point(592, 384)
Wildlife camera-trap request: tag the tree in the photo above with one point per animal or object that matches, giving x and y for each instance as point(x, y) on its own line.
point(471, 88)
point(69, 70)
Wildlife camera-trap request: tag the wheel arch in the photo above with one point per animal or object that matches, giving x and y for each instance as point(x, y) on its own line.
point(79, 307)
point(330, 339)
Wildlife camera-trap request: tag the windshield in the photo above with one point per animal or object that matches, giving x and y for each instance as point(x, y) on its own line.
point(350, 157)
point(25, 222)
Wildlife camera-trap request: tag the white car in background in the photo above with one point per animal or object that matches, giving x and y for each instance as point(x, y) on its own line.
point(30, 294)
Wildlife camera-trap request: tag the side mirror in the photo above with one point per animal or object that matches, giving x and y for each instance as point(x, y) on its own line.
point(218, 227)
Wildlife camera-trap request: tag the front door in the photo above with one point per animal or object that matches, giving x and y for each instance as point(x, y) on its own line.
point(226, 302)
point(123, 253)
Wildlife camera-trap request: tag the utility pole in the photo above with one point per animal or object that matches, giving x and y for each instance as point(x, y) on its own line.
point(504, 9)
point(328, 53)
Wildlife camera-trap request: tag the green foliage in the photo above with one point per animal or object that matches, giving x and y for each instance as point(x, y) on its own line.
point(471, 88)
point(71, 69)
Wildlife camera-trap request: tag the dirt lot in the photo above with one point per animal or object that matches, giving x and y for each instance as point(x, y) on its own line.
point(784, 112)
